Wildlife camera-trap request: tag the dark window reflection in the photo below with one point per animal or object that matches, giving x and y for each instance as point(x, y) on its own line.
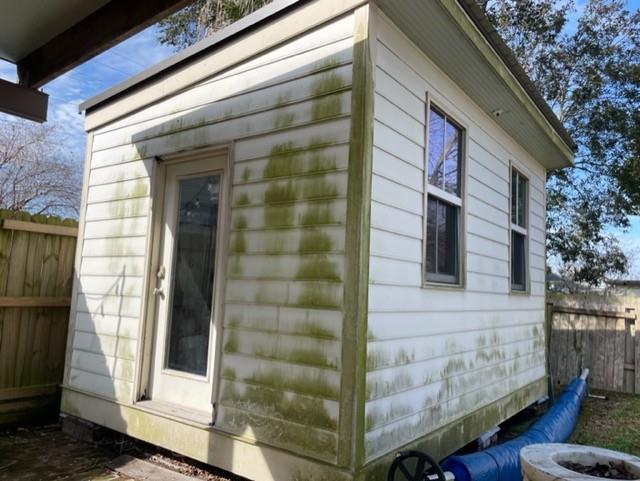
point(445, 151)
point(442, 241)
point(518, 261)
point(194, 267)
point(436, 148)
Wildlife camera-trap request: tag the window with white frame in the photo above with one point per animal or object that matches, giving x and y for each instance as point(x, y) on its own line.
point(519, 207)
point(444, 198)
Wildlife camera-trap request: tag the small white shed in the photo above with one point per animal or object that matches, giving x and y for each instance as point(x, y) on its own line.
point(315, 238)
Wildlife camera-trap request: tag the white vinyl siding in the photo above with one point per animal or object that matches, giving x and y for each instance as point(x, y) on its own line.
point(286, 114)
point(436, 354)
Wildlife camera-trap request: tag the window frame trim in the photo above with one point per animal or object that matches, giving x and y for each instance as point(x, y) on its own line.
point(458, 201)
point(524, 231)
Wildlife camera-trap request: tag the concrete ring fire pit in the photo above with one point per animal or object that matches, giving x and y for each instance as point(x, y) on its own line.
point(571, 462)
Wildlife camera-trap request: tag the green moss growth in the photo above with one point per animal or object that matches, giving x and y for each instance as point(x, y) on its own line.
point(246, 174)
point(242, 199)
point(279, 192)
point(238, 243)
point(326, 107)
point(317, 294)
point(319, 188)
point(314, 240)
point(240, 222)
point(319, 161)
point(231, 345)
point(309, 357)
point(327, 83)
point(377, 389)
point(279, 215)
point(376, 417)
point(229, 373)
point(283, 161)
point(284, 120)
point(317, 444)
point(317, 268)
point(318, 214)
point(312, 329)
point(310, 385)
point(327, 63)
point(275, 404)
point(140, 189)
point(375, 359)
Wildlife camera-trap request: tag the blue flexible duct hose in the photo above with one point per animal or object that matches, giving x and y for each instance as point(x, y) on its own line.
point(502, 462)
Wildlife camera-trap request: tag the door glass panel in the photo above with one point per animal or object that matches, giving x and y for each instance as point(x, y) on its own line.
point(194, 264)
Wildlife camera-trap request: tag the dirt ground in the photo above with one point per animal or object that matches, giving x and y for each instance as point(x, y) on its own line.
point(45, 453)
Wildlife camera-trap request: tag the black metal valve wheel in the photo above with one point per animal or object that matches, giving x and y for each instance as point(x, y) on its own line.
point(414, 466)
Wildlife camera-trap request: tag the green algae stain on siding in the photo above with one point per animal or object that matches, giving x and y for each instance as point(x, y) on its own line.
point(317, 268)
point(318, 214)
point(277, 404)
point(314, 240)
point(310, 385)
point(242, 200)
point(284, 120)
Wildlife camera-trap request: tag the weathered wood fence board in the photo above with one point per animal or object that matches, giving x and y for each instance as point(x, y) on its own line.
point(36, 275)
point(599, 334)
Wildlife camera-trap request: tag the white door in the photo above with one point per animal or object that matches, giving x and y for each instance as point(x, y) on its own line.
point(187, 281)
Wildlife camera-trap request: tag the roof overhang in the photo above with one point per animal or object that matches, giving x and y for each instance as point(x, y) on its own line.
point(46, 40)
point(486, 70)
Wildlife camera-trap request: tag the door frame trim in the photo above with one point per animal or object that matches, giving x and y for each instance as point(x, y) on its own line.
point(152, 260)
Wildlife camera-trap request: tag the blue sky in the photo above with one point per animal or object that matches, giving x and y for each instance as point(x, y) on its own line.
point(142, 51)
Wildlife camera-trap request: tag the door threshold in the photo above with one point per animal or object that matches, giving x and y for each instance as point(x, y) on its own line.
point(180, 413)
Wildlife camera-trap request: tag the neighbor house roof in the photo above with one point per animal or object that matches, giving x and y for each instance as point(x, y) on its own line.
point(279, 8)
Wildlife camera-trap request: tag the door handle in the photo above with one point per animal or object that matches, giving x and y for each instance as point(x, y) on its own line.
point(158, 291)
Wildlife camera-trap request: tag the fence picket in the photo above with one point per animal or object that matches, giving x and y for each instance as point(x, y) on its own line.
point(599, 336)
point(36, 272)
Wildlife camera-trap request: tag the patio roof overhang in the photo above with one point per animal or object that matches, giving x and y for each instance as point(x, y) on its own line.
point(46, 39)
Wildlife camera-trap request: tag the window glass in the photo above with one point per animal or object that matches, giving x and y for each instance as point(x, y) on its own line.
point(518, 263)
point(452, 153)
point(442, 241)
point(194, 267)
point(514, 197)
point(444, 167)
point(436, 148)
point(432, 228)
point(522, 201)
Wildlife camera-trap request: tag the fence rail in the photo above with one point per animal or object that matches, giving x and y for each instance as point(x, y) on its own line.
point(36, 274)
point(598, 333)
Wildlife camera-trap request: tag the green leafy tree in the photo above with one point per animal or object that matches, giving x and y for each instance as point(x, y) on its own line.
point(202, 18)
point(586, 63)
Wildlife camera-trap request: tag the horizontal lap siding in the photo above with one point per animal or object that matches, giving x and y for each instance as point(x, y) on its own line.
point(288, 114)
point(434, 355)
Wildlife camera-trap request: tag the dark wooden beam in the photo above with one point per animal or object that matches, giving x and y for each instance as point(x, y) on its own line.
point(23, 101)
point(107, 26)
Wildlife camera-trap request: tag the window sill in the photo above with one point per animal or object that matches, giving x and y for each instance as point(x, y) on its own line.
point(442, 285)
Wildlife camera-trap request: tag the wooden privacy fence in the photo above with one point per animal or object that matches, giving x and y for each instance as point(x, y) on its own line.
point(599, 334)
point(36, 274)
